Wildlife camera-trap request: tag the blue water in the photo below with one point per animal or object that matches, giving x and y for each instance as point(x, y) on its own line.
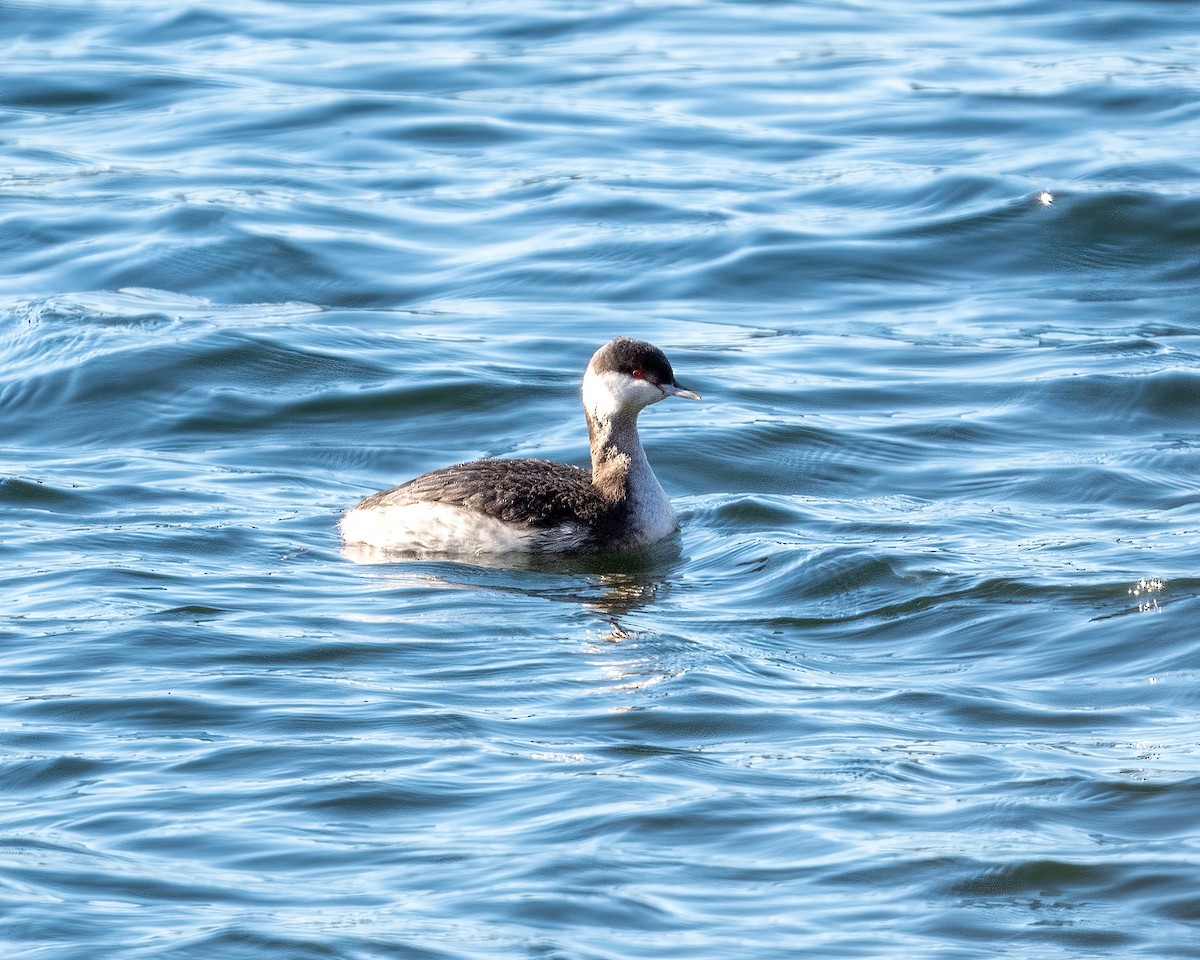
point(918, 678)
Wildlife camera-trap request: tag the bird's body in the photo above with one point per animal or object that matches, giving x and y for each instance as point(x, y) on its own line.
point(496, 506)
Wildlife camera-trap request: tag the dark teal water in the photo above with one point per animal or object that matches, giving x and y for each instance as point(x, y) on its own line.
point(919, 678)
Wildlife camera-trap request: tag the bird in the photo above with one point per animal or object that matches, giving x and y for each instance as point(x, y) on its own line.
point(541, 506)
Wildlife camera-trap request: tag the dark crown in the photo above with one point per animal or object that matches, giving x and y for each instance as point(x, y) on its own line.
point(624, 355)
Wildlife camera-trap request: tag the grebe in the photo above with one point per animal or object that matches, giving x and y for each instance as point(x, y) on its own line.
point(495, 506)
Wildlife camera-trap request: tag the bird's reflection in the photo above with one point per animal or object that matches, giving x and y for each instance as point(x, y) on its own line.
point(611, 585)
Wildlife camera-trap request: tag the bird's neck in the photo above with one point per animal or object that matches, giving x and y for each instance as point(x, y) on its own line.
point(619, 464)
point(621, 473)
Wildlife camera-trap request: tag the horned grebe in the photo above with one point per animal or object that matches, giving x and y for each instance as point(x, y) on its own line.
point(492, 506)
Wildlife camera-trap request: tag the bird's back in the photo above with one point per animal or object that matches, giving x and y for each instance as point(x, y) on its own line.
point(533, 493)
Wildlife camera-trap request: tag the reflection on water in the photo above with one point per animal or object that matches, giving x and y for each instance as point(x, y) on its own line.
point(629, 661)
point(616, 583)
point(609, 587)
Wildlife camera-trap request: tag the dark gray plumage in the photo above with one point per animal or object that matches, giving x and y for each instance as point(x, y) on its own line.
point(534, 493)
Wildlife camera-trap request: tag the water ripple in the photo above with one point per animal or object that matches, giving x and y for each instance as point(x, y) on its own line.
point(921, 659)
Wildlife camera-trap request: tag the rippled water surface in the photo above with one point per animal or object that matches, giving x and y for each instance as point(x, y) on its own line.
point(919, 676)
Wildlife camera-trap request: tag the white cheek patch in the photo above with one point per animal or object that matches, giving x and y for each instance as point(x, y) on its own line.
point(599, 395)
point(606, 393)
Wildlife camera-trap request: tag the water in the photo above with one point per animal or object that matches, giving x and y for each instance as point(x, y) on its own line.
point(918, 677)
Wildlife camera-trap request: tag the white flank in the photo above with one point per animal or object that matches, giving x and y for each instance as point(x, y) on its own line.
point(446, 528)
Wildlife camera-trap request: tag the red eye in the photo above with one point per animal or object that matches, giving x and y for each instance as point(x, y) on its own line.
point(639, 374)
